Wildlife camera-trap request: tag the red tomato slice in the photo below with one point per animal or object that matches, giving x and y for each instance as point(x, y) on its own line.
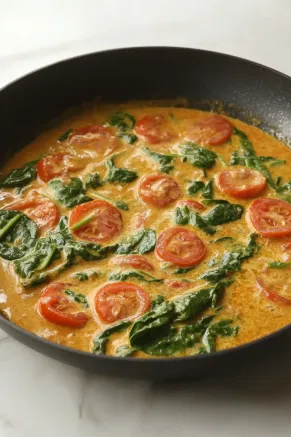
point(180, 247)
point(57, 308)
point(272, 295)
point(40, 209)
point(176, 284)
point(241, 183)
point(154, 128)
point(94, 136)
point(136, 261)
point(52, 166)
point(158, 190)
point(192, 204)
point(212, 130)
point(271, 217)
point(104, 221)
point(119, 301)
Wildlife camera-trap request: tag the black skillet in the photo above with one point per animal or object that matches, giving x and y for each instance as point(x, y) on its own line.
point(245, 89)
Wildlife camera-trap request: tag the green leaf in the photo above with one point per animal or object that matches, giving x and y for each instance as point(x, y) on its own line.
point(65, 135)
point(222, 328)
point(118, 203)
point(208, 190)
point(278, 265)
point(142, 242)
point(78, 297)
point(92, 180)
point(182, 215)
point(124, 123)
point(69, 195)
point(197, 156)
point(100, 341)
point(18, 234)
point(20, 176)
point(157, 301)
point(223, 213)
point(136, 274)
point(199, 221)
point(231, 261)
point(119, 175)
point(183, 270)
point(165, 161)
point(85, 275)
point(195, 187)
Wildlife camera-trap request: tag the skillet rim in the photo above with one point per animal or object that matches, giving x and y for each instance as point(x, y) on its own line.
point(79, 353)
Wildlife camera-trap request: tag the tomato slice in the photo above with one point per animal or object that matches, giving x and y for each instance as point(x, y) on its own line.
point(192, 204)
point(57, 308)
point(158, 190)
point(41, 210)
point(155, 129)
point(271, 217)
point(119, 301)
point(270, 294)
point(212, 130)
point(101, 221)
point(241, 183)
point(180, 247)
point(96, 137)
point(136, 261)
point(52, 166)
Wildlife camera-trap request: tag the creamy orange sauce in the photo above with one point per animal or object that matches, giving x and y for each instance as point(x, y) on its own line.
point(243, 301)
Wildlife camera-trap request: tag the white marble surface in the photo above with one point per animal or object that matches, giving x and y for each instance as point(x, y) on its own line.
point(39, 396)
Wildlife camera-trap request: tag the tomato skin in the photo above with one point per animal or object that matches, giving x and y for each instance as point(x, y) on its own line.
point(192, 204)
point(120, 301)
point(52, 166)
point(50, 307)
point(154, 129)
point(242, 183)
point(138, 262)
point(172, 240)
point(211, 130)
point(158, 190)
point(40, 209)
point(271, 295)
point(271, 217)
point(106, 224)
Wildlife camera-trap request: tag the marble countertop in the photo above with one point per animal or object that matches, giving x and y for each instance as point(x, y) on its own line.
point(39, 396)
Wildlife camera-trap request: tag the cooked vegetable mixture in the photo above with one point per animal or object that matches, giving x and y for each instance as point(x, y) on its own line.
point(147, 232)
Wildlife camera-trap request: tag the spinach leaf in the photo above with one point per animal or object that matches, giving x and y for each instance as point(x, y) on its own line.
point(92, 180)
point(71, 194)
point(100, 341)
point(142, 242)
point(197, 156)
point(20, 176)
point(222, 328)
point(223, 213)
point(178, 340)
point(78, 297)
point(157, 301)
point(272, 161)
point(124, 123)
point(182, 215)
point(221, 239)
point(18, 234)
point(141, 276)
point(118, 203)
point(124, 351)
point(200, 222)
point(151, 324)
point(208, 190)
point(195, 187)
point(121, 175)
point(165, 161)
point(183, 270)
point(278, 265)
point(190, 305)
point(231, 261)
point(85, 275)
point(65, 135)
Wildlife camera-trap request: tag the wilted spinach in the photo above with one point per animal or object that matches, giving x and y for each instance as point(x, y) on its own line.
point(119, 175)
point(78, 297)
point(124, 123)
point(222, 328)
point(197, 156)
point(20, 176)
point(70, 194)
point(142, 242)
point(135, 274)
point(92, 180)
point(165, 161)
point(100, 341)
